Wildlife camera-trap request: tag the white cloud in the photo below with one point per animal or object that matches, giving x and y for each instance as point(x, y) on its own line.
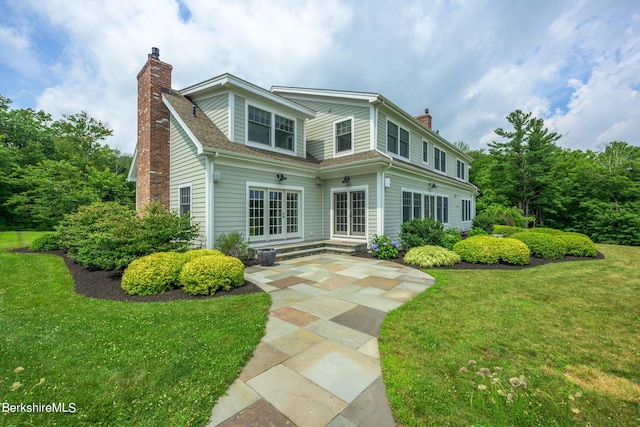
point(472, 63)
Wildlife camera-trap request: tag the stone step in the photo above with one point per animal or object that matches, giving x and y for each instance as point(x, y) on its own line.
point(297, 250)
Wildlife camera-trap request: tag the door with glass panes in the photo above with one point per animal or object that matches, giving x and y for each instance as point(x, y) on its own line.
point(349, 213)
point(274, 214)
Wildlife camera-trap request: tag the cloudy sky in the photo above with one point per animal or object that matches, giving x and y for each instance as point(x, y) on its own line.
point(576, 64)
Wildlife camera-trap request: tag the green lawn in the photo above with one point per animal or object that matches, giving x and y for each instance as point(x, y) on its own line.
point(570, 331)
point(118, 363)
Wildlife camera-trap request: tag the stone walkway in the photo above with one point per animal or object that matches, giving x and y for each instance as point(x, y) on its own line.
point(318, 364)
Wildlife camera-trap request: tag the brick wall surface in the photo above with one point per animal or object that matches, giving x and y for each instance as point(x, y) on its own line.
point(153, 133)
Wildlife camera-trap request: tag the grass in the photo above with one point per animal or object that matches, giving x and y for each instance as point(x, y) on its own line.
point(142, 364)
point(570, 331)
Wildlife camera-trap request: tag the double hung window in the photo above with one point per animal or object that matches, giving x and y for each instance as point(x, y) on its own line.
point(270, 129)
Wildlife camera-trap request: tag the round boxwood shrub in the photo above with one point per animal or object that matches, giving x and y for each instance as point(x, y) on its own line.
point(196, 253)
point(506, 230)
point(431, 256)
point(46, 242)
point(543, 245)
point(478, 250)
point(206, 274)
point(153, 274)
point(579, 244)
point(512, 251)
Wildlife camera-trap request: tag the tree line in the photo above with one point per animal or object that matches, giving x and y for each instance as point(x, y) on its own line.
point(49, 168)
point(592, 192)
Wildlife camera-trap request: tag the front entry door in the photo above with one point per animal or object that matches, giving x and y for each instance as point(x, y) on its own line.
point(350, 213)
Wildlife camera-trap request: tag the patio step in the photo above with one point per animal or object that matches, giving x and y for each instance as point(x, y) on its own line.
point(297, 250)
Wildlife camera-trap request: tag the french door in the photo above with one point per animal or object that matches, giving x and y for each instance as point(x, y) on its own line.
point(273, 214)
point(349, 213)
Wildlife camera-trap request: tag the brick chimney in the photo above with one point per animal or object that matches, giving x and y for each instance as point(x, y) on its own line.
point(425, 118)
point(153, 132)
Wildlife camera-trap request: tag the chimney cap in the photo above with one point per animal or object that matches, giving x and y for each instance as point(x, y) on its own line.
point(155, 53)
point(426, 111)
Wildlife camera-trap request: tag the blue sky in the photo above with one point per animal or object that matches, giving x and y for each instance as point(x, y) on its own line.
point(576, 64)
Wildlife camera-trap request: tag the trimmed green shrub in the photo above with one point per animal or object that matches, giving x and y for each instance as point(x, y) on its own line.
point(546, 230)
point(543, 245)
point(506, 230)
point(486, 222)
point(579, 244)
point(153, 274)
point(492, 250)
point(108, 236)
point(233, 244)
point(431, 256)
point(421, 232)
point(512, 251)
point(478, 250)
point(46, 242)
point(476, 232)
point(196, 253)
point(206, 274)
point(382, 247)
point(451, 237)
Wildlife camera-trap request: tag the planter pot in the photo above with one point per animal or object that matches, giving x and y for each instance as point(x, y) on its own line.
point(266, 257)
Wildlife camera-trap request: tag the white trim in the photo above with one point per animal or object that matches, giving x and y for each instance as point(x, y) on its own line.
point(272, 131)
point(184, 126)
point(208, 203)
point(372, 127)
point(225, 80)
point(469, 221)
point(465, 171)
point(279, 239)
point(436, 167)
point(425, 141)
point(335, 137)
point(340, 94)
point(380, 203)
point(349, 237)
point(232, 107)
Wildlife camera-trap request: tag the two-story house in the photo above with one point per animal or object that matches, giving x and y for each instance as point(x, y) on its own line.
point(292, 164)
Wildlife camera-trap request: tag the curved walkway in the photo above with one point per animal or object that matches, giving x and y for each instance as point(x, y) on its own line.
point(318, 364)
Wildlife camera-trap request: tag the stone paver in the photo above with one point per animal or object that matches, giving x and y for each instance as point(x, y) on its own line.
point(318, 363)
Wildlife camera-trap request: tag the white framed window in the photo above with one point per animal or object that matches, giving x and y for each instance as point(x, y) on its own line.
point(466, 210)
point(343, 136)
point(439, 160)
point(184, 199)
point(265, 128)
point(397, 140)
point(418, 204)
point(273, 213)
point(461, 170)
point(425, 151)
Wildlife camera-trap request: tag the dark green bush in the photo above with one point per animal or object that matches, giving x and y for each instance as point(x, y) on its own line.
point(421, 232)
point(108, 236)
point(501, 215)
point(507, 230)
point(543, 245)
point(478, 250)
point(476, 232)
point(46, 242)
point(451, 237)
point(153, 274)
point(206, 274)
point(579, 244)
point(486, 222)
point(233, 244)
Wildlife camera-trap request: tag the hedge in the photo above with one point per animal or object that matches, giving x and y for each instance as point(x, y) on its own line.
point(206, 274)
point(506, 230)
point(153, 274)
point(543, 245)
point(492, 250)
point(579, 244)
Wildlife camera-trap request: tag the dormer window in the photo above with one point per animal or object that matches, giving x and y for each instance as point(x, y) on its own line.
point(344, 136)
point(270, 129)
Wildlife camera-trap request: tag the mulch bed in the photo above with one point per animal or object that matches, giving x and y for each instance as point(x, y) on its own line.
point(106, 285)
point(534, 262)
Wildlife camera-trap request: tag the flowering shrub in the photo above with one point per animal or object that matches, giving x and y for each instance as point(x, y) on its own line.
point(382, 247)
